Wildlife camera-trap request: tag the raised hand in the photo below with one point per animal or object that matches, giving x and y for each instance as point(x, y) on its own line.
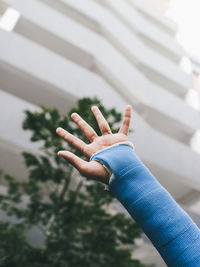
point(93, 169)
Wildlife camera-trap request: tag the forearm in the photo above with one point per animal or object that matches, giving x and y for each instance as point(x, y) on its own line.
point(170, 229)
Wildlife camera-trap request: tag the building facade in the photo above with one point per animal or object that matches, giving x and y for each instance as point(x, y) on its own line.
point(121, 51)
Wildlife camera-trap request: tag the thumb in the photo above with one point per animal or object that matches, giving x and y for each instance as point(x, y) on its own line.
point(77, 162)
point(92, 169)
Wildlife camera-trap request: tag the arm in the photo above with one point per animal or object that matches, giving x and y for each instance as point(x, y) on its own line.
point(170, 229)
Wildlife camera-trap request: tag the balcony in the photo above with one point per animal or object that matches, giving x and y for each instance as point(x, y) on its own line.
point(154, 66)
point(34, 67)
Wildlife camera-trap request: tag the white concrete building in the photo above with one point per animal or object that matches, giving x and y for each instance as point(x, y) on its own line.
point(54, 52)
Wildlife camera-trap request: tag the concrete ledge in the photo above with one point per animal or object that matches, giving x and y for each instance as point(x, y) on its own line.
point(37, 72)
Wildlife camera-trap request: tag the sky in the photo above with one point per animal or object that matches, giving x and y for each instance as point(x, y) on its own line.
point(186, 13)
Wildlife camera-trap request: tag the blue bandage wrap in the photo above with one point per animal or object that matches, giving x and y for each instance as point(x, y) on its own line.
point(171, 230)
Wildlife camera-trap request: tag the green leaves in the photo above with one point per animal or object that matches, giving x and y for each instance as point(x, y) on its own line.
point(72, 213)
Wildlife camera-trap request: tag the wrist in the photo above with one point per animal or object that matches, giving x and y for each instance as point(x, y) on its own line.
point(114, 159)
point(107, 173)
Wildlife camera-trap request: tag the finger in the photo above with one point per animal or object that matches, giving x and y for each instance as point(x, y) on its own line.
point(126, 121)
point(103, 124)
point(78, 163)
point(91, 169)
point(73, 140)
point(84, 126)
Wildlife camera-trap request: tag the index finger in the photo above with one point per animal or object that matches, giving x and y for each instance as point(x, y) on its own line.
point(73, 140)
point(126, 121)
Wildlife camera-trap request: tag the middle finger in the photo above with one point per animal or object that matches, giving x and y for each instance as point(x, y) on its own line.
point(103, 124)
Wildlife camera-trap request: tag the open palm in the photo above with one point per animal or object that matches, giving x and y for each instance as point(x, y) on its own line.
point(93, 169)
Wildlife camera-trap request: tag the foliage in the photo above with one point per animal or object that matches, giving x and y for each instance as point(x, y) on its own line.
point(71, 213)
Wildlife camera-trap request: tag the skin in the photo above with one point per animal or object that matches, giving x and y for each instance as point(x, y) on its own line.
point(93, 169)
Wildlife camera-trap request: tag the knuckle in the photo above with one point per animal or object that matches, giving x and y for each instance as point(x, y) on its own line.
point(84, 169)
point(72, 142)
point(107, 131)
point(81, 123)
point(84, 149)
point(93, 135)
point(65, 136)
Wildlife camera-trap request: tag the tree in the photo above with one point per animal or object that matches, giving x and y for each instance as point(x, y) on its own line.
point(71, 213)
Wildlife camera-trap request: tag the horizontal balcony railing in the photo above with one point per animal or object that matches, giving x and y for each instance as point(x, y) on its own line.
point(37, 72)
point(151, 34)
point(156, 67)
point(152, 14)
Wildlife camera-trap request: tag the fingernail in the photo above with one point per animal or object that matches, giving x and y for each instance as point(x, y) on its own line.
point(60, 153)
point(58, 129)
point(73, 114)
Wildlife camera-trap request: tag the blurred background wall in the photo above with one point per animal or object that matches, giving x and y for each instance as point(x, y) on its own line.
point(121, 51)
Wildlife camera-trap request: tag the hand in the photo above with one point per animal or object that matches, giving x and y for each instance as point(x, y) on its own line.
point(93, 169)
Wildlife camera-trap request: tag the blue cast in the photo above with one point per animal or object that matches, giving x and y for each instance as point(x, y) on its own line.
point(171, 230)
